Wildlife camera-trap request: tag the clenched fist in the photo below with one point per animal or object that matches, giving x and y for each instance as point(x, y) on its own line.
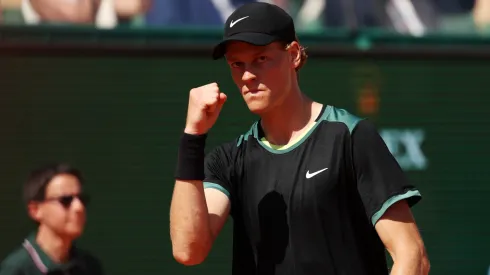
point(205, 104)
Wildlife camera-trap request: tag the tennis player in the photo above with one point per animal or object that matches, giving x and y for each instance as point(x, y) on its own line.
point(311, 188)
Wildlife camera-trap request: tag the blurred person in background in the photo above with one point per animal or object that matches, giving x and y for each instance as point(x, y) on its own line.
point(412, 17)
point(57, 204)
point(464, 16)
point(192, 13)
point(6, 6)
point(101, 13)
point(481, 15)
point(421, 17)
point(307, 14)
point(213, 13)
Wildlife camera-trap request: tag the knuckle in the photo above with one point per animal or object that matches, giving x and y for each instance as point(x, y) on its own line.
point(214, 86)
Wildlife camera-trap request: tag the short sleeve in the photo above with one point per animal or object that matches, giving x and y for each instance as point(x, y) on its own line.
point(380, 180)
point(218, 169)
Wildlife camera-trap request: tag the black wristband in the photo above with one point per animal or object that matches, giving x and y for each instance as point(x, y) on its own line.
point(190, 161)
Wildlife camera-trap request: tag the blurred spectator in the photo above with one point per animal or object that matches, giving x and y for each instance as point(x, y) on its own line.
point(6, 6)
point(355, 13)
point(412, 17)
point(307, 14)
point(454, 6)
point(463, 16)
point(59, 11)
point(213, 13)
point(102, 13)
point(197, 13)
point(481, 15)
point(127, 10)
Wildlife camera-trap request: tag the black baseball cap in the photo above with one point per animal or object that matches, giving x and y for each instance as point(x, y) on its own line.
point(257, 23)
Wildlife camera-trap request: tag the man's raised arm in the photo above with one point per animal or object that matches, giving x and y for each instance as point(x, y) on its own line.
point(196, 215)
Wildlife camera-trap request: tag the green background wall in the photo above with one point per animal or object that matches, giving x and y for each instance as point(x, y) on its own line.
point(119, 120)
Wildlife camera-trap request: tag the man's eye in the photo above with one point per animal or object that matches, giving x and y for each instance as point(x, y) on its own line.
point(236, 64)
point(262, 58)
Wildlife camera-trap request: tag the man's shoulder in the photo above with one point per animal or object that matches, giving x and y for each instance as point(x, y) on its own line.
point(16, 259)
point(252, 132)
point(233, 148)
point(340, 115)
point(239, 141)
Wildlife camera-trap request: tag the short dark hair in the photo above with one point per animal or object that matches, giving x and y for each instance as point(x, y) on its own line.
point(38, 180)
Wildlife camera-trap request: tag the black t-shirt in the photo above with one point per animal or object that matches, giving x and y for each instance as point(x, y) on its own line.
point(310, 208)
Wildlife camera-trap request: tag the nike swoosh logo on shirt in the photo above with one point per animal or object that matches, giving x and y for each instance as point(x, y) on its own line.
point(308, 175)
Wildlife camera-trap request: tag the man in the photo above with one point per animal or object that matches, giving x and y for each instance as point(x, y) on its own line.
point(311, 188)
point(55, 201)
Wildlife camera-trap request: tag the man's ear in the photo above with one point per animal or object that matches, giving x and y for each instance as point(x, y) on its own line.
point(294, 50)
point(34, 210)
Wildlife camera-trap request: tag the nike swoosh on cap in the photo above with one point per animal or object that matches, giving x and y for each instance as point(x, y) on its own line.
point(232, 23)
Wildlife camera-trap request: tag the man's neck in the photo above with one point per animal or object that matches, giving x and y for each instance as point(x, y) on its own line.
point(56, 247)
point(285, 122)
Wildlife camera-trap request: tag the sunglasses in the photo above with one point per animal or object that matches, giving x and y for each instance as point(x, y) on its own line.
point(67, 200)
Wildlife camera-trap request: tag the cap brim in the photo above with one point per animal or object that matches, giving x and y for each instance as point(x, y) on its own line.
point(258, 39)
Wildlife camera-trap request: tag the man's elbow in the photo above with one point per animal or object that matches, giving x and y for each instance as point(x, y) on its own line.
point(189, 258)
point(423, 258)
point(190, 255)
point(425, 264)
point(414, 256)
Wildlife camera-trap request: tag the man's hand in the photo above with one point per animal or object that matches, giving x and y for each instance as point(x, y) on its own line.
point(205, 104)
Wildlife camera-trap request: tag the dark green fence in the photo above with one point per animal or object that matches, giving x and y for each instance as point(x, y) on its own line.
point(119, 116)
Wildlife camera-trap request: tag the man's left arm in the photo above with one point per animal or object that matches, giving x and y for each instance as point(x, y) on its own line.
point(401, 237)
point(387, 197)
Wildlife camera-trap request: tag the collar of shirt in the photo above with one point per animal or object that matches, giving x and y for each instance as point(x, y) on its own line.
point(42, 261)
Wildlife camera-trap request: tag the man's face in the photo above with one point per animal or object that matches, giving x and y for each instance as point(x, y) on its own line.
point(262, 73)
point(63, 210)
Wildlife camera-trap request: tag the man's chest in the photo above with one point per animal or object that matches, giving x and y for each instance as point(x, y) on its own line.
point(280, 195)
point(306, 177)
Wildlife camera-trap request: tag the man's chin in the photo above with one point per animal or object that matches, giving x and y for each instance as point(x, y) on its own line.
point(73, 233)
point(257, 108)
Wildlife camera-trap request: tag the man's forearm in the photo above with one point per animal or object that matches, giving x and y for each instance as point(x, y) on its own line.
point(189, 223)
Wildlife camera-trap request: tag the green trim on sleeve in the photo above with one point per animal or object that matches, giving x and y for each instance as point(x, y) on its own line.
point(217, 187)
point(391, 201)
